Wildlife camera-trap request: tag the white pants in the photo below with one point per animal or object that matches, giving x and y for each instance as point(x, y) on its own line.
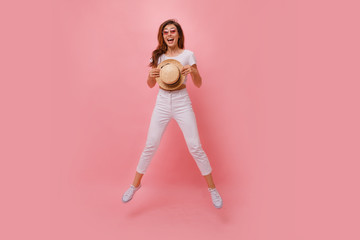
point(174, 104)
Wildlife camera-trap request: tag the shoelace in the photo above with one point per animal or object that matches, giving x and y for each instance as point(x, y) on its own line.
point(130, 191)
point(215, 195)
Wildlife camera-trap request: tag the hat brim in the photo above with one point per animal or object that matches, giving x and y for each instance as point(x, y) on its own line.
point(178, 83)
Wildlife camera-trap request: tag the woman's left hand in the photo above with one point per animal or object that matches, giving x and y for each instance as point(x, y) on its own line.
point(186, 70)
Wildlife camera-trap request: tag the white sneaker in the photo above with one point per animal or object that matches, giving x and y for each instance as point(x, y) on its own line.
point(128, 195)
point(215, 197)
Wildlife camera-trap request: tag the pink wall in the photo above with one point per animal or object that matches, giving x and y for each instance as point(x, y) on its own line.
point(277, 115)
point(246, 55)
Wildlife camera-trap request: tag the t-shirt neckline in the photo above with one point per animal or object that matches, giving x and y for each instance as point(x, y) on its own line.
point(176, 55)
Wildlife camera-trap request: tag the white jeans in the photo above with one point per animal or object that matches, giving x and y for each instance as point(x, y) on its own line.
point(174, 104)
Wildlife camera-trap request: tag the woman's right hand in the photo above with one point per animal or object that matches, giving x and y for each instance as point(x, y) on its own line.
point(154, 73)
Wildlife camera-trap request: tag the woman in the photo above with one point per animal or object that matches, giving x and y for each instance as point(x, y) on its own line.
point(173, 104)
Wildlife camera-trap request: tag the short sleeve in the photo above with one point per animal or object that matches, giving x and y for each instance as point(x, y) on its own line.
point(159, 60)
point(192, 59)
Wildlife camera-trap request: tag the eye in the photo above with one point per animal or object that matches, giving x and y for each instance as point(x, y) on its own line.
point(166, 32)
point(173, 30)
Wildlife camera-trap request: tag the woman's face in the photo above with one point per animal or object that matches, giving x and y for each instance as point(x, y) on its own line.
point(171, 35)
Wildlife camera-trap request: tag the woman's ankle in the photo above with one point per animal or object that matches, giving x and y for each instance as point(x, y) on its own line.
point(136, 185)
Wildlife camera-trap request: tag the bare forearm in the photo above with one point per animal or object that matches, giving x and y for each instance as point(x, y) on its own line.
point(196, 77)
point(151, 81)
point(153, 74)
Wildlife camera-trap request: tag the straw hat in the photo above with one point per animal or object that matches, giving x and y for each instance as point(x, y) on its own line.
point(170, 74)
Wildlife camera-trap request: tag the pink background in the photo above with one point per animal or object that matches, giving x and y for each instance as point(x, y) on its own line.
point(278, 116)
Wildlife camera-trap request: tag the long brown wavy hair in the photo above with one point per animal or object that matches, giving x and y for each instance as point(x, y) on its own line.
point(162, 47)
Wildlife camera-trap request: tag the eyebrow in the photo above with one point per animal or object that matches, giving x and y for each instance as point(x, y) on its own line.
point(170, 28)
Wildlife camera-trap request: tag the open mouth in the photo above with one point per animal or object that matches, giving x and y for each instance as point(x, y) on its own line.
point(170, 40)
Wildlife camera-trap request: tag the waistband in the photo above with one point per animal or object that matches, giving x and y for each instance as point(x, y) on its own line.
point(173, 92)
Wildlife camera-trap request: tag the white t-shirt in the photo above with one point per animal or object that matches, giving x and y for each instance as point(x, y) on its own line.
point(187, 57)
